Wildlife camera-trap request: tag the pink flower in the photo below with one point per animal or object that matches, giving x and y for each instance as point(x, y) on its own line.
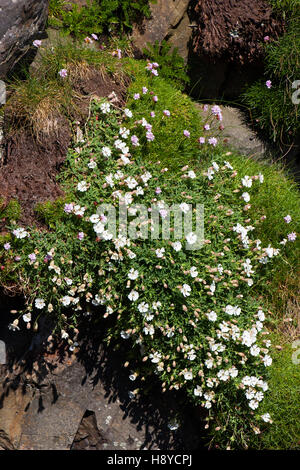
point(63, 73)
point(267, 38)
point(166, 112)
point(268, 84)
point(32, 257)
point(292, 236)
point(154, 72)
point(88, 40)
point(94, 36)
point(152, 114)
point(155, 65)
point(145, 90)
point(6, 246)
point(68, 208)
point(213, 141)
point(206, 127)
point(201, 140)
point(158, 190)
point(150, 136)
point(119, 53)
point(80, 236)
point(186, 133)
point(135, 141)
point(149, 66)
point(287, 219)
point(136, 96)
point(37, 43)
point(155, 99)
point(163, 213)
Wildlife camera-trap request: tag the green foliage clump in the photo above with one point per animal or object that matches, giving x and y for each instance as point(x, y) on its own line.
point(190, 317)
point(98, 16)
point(273, 107)
point(171, 64)
point(11, 211)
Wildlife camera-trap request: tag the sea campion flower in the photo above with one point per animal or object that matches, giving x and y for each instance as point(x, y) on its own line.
point(186, 133)
point(268, 84)
point(63, 73)
point(39, 303)
point(201, 140)
point(287, 219)
point(136, 96)
point(292, 236)
point(212, 141)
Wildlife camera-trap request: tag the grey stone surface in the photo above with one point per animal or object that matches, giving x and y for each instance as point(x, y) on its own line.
point(20, 23)
point(167, 16)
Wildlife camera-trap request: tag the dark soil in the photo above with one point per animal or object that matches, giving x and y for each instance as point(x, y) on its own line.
point(234, 29)
point(30, 166)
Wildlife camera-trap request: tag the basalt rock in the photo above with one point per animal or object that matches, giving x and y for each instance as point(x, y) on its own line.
point(21, 22)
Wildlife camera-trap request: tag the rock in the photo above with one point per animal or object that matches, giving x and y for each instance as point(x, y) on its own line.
point(21, 21)
point(75, 407)
point(166, 17)
point(237, 134)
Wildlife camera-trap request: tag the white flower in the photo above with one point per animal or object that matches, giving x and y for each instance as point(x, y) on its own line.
point(248, 267)
point(99, 228)
point(82, 186)
point(246, 197)
point(124, 133)
point(177, 246)
point(215, 166)
point(220, 269)
point(133, 295)
point(20, 233)
point(155, 357)
point(198, 392)
point(193, 271)
point(131, 182)
point(212, 316)
point(266, 418)
point(209, 363)
point(233, 372)
point(128, 113)
point(253, 404)
point(254, 350)
point(207, 405)
point(64, 334)
point(247, 181)
point(261, 177)
point(185, 207)
point(92, 164)
point(212, 287)
point(160, 252)
point(185, 290)
point(94, 218)
point(39, 303)
point(223, 375)
point(105, 108)
point(149, 330)
point(27, 317)
point(109, 180)
point(124, 335)
point(267, 360)
point(191, 238)
point(106, 152)
point(191, 174)
point(233, 310)
point(66, 300)
point(261, 315)
point(133, 274)
point(173, 426)
point(227, 164)
point(210, 174)
point(143, 307)
point(188, 375)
